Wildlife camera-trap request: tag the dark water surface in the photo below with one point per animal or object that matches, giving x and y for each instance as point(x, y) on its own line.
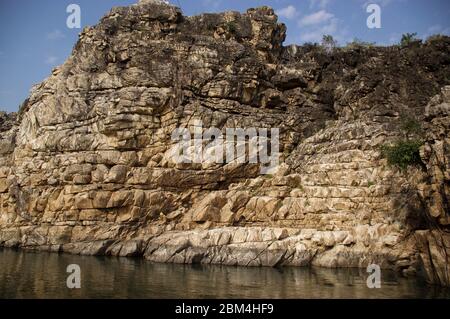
point(43, 275)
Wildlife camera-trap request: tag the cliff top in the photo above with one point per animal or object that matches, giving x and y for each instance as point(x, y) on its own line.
point(154, 32)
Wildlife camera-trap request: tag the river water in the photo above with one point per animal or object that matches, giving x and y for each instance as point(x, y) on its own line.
point(43, 275)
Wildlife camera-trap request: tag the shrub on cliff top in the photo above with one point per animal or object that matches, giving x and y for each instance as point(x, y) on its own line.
point(357, 43)
point(231, 27)
point(436, 37)
point(408, 38)
point(329, 43)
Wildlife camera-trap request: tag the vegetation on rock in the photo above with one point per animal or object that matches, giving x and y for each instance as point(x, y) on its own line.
point(405, 152)
point(408, 38)
point(87, 167)
point(329, 43)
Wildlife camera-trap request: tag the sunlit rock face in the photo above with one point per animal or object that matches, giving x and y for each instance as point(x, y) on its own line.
point(87, 168)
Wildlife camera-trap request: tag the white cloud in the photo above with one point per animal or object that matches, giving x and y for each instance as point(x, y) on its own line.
point(316, 18)
point(212, 4)
point(51, 60)
point(394, 38)
point(290, 12)
point(316, 34)
point(314, 26)
point(381, 3)
point(322, 4)
point(55, 35)
point(436, 29)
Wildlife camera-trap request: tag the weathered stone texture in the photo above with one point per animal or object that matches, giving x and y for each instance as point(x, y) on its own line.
point(86, 168)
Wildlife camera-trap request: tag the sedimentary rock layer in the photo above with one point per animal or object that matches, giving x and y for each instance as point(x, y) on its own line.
point(86, 165)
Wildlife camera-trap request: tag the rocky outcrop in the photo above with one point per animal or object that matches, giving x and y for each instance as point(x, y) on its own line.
point(88, 166)
point(434, 244)
point(8, 130)
point(7, 121)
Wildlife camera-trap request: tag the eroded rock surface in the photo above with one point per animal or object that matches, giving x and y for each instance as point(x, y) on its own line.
point(86, 167)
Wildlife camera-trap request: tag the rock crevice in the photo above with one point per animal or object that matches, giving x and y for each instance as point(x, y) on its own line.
point(86, 167)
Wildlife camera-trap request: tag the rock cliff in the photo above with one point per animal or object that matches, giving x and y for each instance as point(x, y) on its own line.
point(86, 165)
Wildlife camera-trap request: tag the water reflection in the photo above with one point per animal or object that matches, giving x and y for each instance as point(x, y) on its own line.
point(43, 275)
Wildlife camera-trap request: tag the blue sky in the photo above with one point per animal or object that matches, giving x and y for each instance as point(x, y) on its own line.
point(34, 37)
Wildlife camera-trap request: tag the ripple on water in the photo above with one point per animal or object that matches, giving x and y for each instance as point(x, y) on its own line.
point(43, 275)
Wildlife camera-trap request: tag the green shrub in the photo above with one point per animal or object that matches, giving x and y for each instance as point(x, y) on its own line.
point(329, 43)
point(231, 27)
point(406, 151)
point(211, 25)
point(408, 38)
point(436, 37)
point(403, 153)
point(410, 126)
point(359, 43)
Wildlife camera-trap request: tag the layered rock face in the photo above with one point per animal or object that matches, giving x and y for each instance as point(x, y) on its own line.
point(88, 167)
